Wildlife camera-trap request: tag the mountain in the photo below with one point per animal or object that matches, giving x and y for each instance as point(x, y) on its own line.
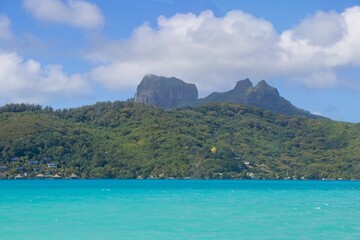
point(174, 93)
point(165, 92)
point(236, 95)
point(261, 96)
point(216, 140)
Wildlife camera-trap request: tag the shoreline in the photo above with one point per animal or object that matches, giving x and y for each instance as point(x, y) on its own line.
point(179, 179)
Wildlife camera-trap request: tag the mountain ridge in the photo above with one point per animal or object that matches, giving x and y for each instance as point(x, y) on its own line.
point(173, 94)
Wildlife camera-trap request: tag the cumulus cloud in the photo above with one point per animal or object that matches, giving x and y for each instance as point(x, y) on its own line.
point(322, 29)
point(207, 50)
point(5, 28)
point(28, 81)
point(202, 49)
point(77, 13)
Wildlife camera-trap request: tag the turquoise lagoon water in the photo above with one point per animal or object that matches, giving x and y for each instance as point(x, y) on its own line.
point(179, 209)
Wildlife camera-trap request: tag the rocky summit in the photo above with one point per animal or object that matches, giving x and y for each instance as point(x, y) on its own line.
point(261, 96)
point(165, 92)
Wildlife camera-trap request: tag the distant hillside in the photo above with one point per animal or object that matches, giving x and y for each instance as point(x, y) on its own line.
point(174, 93)
point(129, 140)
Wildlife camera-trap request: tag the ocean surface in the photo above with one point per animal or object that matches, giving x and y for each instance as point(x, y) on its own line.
point(179, 209)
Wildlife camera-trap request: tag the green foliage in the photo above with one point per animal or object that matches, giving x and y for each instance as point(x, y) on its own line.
point(128, 140)
point(22, 108)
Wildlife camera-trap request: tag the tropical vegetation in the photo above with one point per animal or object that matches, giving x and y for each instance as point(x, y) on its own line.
point(129, 140)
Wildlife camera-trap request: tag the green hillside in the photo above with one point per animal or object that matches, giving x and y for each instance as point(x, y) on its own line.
point(129, 140)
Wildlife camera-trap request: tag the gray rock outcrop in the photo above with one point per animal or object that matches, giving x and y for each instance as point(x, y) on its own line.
point(165, 92)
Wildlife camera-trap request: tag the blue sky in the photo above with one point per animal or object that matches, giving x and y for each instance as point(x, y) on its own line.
point(68, 53)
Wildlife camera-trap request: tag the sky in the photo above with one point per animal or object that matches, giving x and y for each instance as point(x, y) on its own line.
point(69, 53)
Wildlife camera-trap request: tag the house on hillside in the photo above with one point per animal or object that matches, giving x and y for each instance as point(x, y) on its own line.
point(47, 159)
point(52, 165)
point(15, 159)
point(249, 164)
point(33, 162)
point(3, 168)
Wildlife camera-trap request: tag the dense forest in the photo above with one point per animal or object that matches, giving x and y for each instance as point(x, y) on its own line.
point(130, 140)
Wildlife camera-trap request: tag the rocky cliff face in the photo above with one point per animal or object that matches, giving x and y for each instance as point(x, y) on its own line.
point(165, 92)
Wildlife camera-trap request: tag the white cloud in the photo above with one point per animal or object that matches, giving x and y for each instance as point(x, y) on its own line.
point(77, 13)
point(206, 50)
point(27, 81)
point(322, 29)
point(5, 28)
point(317, 113)
point(202, 49)
point(319, 79)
